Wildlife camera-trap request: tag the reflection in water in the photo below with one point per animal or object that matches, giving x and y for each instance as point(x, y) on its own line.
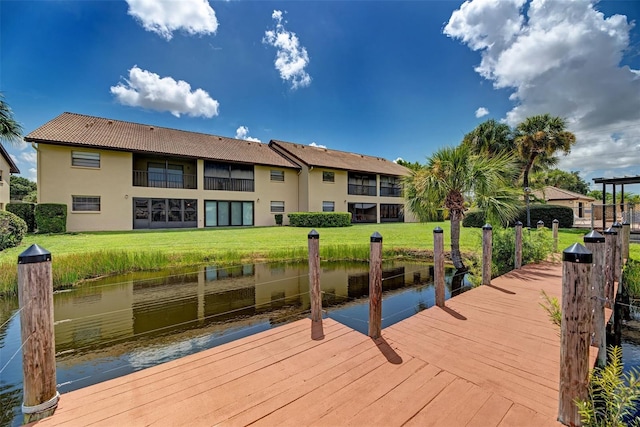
point(114, 326)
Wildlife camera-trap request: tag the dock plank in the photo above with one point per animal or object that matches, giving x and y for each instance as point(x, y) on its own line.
point(489, 358)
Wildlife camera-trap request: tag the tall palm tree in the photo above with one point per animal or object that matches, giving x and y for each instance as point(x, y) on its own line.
point(451, 174)
point(538, 139)
point(490, 137)
point(10, 129)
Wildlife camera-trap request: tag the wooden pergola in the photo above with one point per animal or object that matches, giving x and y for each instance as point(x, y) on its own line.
point(614, 183)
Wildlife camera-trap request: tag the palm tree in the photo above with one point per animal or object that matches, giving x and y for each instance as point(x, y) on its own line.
point(538, 139)
point(10, 129)
point(453, 173)
point(490, 137)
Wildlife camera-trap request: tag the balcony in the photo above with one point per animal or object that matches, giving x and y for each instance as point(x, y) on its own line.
point(228, 184)
point(362, 190)
point(386, 191)
point(167, 179)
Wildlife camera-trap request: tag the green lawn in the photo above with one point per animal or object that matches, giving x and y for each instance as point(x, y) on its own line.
point(83, 255)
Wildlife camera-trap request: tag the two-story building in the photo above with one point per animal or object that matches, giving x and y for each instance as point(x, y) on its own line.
point(7, 167)
point(116, 175)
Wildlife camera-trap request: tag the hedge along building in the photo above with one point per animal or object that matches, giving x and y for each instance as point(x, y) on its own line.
point(7, 167)
point(116, 175)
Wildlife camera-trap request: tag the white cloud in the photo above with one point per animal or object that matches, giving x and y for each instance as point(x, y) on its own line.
point(29, 157)
point(313, 144)
point(291, 57)
point(14, 158)
point(481, 112)
point(243, 133)
point(33, 174)
point(148, 90)
point(166, 16)
point(562, 58)
point(398, 159)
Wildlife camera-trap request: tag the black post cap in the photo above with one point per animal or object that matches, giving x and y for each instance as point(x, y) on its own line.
point(541, 222)
point(593, 237)
point(555, 221)
point(578, 254)
point(625, 222)
point(376, 237)
point(519, 223)
point(616, 225)
point(487, 227)
point(438, 230)
point(33, 254)
point(611, 231)
point(313, 234)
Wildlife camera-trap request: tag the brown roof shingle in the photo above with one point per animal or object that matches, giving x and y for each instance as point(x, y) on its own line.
point(323, 157)
point(88, 131)
point(553, 193)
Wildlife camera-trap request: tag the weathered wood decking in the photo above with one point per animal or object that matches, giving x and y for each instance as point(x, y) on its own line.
point(490, 358)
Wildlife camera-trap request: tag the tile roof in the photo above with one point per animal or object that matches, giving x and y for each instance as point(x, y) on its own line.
point(88, 131)
point(553, 193)
point(323, 157)
point(12, 166)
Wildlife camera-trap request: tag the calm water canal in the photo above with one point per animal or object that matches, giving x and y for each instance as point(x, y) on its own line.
point(112, 327)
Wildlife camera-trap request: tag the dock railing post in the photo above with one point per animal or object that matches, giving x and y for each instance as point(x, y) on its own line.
point(438, 265)
point(487, 246)
point(540, 224)
point(618, 270)
point(375, 286)
point(555, 235)
point(594, 242)
point(518, 254)
point(575, 331)
point(626, 231)
point(610, 240)
point(35, 296)
point(315, 294)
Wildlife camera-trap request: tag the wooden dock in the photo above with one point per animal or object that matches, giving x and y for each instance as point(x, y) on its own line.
point(490, 358)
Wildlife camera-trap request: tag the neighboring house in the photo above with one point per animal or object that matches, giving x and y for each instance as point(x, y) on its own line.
point(7, 167)
point(580, 203)
point(116, 175)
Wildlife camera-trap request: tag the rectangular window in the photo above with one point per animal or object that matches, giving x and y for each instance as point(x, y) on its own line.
point(85, 159)
point(328, 206)
point(277, 175)
point(228, 176)
point(0, 177)
point(277, 206)
point(328, 176)
point(86, 203)
point(391, 213)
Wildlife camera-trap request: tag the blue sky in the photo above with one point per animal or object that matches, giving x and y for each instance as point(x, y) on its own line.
point(385, 78)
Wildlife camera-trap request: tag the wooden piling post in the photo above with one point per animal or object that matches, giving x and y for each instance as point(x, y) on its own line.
point(594, 242)
point(610, 243)
point(487, 246)
point(518, 254)
point(618, 270)
point(626, 231)
point(575, 332)
point(555, 235)
point(35, 295)
point(375, 286)
point(438, 265)
point(315, 293)
point(540, 224)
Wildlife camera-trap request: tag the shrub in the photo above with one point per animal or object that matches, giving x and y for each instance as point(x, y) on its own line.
point(631, 277)
point(51, 217)
point(537, 245)
point(278, 218)
point(26, 211)
point(546, 213)
point(12, 230)
point(320, 219)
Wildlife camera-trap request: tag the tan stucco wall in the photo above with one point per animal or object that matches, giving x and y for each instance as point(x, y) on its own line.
point(574, 204)
point(320, 191)
point(4, 183)
point(59, 181)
